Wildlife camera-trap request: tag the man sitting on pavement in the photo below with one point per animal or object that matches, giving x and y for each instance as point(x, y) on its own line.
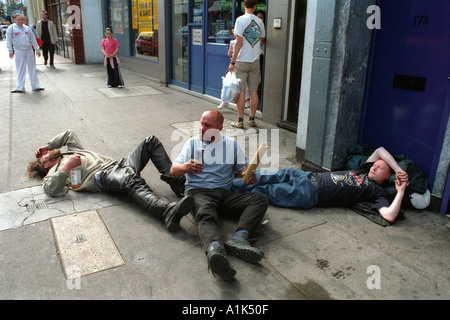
point(102, 173)
point(208, 181)
point(298, 189)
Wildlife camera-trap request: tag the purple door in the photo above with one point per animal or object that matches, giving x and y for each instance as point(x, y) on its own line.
point(405, 109)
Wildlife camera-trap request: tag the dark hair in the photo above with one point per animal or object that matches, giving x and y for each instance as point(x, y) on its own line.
point(260, 11)
point(37, 170)
point(250, 3)
point(109, 29)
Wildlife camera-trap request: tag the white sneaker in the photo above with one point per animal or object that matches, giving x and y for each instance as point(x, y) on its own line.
point(223, 104)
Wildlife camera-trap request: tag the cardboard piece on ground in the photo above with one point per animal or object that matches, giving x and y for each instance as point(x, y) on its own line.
point(84, 244)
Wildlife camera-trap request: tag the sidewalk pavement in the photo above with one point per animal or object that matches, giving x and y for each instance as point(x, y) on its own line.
point(315, 254)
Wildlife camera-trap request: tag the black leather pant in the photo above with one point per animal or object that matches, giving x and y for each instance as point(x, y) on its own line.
point(124, 177)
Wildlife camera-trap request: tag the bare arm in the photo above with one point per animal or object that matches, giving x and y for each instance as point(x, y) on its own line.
point(383, 154)
point(237, 50)
point(179, 169)
point(390, 213)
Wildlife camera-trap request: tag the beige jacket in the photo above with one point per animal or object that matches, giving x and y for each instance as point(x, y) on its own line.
point(58, 182)
point(51, 30)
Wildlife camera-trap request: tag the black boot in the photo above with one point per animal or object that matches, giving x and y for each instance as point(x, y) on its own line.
point(170, 212)
point(218, 262)
point(175, 211)
point(176, 184)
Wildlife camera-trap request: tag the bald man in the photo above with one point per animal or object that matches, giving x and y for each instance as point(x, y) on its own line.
point(208, 181)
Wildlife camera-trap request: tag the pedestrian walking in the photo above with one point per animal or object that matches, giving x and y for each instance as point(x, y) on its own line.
point(46, 31)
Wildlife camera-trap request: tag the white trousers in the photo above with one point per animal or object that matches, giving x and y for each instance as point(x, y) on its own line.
point(25, 60)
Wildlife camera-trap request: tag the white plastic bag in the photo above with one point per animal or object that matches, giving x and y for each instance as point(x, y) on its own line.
point(230, 87)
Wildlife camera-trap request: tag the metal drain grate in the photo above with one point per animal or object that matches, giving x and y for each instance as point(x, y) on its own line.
point(33, 207)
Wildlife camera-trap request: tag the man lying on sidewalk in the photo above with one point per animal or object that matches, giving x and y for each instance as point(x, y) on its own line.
point(102, 173)
point(298, 189)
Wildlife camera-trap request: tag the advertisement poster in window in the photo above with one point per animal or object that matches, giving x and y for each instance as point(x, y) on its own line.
point(145, 26)
point(116, 16)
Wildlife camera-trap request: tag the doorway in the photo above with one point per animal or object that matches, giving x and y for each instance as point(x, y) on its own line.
point(405, 106)
point(200, 40)
point(290, 118)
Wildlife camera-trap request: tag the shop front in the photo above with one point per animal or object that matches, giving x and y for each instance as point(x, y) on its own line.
point(135, 24)
point(179, 42)
point(200, 36)
point(57, 12)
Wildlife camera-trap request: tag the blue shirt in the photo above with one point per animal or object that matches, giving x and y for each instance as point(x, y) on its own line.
point(221, 159)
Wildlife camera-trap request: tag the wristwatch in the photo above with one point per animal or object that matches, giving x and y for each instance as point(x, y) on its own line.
point(233, 63)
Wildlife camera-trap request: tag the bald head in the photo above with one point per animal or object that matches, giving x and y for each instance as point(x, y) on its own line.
point(211, 123)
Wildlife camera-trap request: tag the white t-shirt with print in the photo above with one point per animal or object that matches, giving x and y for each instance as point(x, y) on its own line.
point(251, 29)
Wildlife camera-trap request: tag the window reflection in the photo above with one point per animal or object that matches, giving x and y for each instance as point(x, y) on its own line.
point(145, 28)
point(219, 21)
point(197, 11)
point(180, 40)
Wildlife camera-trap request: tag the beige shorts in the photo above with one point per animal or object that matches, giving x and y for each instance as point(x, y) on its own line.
point(250, 75)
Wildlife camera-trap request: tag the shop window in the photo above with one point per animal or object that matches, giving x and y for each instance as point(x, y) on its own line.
point(64, 41)
point(119, 22)
point(180, 40)
point(145, 29)
point(220, 19)
point(197, 11)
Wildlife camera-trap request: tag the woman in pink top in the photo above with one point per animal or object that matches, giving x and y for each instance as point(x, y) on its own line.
point(110, 48)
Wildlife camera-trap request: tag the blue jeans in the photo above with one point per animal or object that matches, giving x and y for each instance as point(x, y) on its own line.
point(289, 188)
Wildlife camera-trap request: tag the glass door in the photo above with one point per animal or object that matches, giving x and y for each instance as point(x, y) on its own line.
point(196, 47)
point(180, 41)
point(65, 42)
point(218, 25)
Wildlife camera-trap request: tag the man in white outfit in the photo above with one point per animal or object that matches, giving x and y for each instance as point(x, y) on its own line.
point(20, 41)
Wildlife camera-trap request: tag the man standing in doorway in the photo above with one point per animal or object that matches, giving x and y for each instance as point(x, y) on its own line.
point(46, 31)
point(250, 35)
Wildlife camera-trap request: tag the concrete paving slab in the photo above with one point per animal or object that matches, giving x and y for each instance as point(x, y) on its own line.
point(84, 244)
point(29, 264)
point(341, 269)
point(31, 205)
point(129, 92)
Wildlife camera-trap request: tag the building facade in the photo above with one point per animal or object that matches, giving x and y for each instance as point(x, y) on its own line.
point(336, 72)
